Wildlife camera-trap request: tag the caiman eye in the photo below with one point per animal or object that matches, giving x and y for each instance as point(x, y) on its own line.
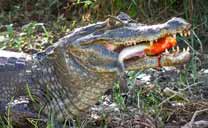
point(113, 22)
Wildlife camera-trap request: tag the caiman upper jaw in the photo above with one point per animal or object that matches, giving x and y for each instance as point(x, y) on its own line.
point(143, 36)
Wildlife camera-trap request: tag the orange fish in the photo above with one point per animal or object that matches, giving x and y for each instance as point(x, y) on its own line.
point(161, 45)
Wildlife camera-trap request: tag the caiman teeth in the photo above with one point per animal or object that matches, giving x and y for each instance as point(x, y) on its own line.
point(185, 33)
point(177, 49)
point(156, 40)
point(151, 43)
point(174, 36)
point(184, 50)
point(166, 51)
point(187, 49)
point(128, 43)
point(189, 33)
point(173, 49)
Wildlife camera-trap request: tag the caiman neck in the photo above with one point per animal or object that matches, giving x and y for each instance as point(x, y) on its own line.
point(78, 87)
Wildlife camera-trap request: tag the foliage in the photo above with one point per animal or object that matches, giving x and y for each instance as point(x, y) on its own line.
point(118, 98)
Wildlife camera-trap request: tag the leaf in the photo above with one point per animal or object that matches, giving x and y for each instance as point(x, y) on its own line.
point(10, 30)
point(133, 10)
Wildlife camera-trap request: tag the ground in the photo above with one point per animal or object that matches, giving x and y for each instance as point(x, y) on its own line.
point(162, 99)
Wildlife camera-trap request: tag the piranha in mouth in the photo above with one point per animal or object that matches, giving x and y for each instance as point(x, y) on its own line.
point(155, 48)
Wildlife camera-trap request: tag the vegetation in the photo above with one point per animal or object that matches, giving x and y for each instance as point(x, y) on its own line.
point(32, 25)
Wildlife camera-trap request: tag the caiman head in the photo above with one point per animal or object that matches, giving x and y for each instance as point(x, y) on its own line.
point(89, 59)
point(119, 43)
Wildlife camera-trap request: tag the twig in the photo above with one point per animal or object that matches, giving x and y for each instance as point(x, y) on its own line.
point(178, 93)
point(196, 113)
point(197, 124)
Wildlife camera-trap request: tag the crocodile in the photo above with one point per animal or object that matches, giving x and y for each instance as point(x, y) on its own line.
point(68, 77)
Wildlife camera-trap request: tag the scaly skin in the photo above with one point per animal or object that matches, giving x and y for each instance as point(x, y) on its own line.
point(69, 77)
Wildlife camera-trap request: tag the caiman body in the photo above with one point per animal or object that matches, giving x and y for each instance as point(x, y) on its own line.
point(69, 76)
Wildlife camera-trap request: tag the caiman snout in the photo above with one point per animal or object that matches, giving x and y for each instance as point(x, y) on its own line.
point(178, 24)
point(131, 42)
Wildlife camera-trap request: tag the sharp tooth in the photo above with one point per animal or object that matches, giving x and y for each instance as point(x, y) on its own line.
point(151, 43)
point(166, 51)
point(187, 49)
point(173, 49)
point(130, 43)
point(184, 33)
point(181, 34)
point(189, 33)
point(174, 35)
point(177, 49)
point(184, 49)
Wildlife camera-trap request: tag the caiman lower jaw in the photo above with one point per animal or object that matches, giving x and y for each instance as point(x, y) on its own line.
point(165, 59)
